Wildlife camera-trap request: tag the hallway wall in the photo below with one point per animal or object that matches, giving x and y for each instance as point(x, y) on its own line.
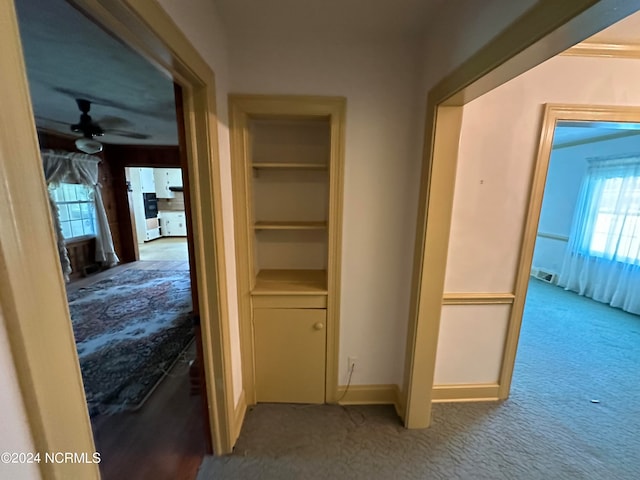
point(379, 80)
point(16, 436)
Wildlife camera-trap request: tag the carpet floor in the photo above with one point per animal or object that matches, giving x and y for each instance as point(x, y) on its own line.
point(573, 413)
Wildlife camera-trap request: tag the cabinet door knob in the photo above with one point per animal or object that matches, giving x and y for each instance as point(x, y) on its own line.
point(318, 326)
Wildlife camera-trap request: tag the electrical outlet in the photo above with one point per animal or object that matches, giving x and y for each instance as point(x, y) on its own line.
point(351, 364)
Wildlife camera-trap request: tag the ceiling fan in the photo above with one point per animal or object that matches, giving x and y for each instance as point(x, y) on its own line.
point(90, 129)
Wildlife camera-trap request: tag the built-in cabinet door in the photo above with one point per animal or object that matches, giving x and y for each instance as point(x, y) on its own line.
point(290, 346)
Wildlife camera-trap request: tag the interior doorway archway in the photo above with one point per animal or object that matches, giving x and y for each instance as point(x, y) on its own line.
point(43, 351)
point(542, 32)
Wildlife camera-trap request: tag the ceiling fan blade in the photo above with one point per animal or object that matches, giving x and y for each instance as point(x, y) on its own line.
point(162, 112)
point(50, 120)
point(110, 122)
point(125, 133)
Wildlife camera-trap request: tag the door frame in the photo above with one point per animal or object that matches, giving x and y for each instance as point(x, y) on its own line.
point(552, 114)
point(542, 32)
point(44, 352)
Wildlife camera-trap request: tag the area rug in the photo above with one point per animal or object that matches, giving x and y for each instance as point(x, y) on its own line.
point(129, 331)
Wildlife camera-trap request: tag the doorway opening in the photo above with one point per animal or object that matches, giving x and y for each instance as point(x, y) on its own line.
point(134, 322)
point(48, 370)
point(506, 57)
point(577, 347)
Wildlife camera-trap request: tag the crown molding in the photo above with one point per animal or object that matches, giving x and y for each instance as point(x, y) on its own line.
point(607, 50)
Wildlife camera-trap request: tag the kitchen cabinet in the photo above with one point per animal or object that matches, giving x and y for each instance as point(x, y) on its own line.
point(147, 180)
point(165, 178)
point(173, 224)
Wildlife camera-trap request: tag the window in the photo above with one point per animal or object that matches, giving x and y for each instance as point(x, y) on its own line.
point(618, 217)
point(76, 209)
point(611, 228)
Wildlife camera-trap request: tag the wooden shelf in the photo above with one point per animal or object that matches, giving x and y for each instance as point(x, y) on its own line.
point(293, 166)
point(290, 225)
point(290, 282)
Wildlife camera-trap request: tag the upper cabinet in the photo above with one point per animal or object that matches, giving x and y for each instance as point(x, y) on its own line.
point(147, 181)
point(160, 181)
point(164, 179)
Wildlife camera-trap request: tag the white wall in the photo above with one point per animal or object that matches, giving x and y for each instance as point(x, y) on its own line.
point(382, 158)
point(499, 140)
point(385, 85)
point(567, 168)
point(200, 22)
point(15, 434)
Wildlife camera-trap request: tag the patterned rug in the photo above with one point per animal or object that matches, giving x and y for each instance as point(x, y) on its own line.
point(129, 330)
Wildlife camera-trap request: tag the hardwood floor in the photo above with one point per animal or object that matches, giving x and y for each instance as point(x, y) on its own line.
point(165, 248)
point(165, 439)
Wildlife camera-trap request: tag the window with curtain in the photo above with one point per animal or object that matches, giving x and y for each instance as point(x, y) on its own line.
point(76, 209)
point(76, 204)
point(602, 260)
point(616, 226)
point(610, 226)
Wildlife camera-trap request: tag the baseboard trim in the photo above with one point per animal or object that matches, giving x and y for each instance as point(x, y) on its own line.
point(466, 393)
point(477, 298)
point(238, 417)
point(370, 395)
point(399, 403)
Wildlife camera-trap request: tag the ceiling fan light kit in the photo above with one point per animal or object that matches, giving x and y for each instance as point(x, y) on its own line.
point(88, 145)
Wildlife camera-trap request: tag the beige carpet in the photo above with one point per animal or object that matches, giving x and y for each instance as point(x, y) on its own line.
point(573, 351)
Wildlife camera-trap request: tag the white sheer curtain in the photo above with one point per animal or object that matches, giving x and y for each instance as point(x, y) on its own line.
point(603, 255)
point(67, 167)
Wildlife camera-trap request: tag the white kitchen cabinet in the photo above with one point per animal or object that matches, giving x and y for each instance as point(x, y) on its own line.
point(165, 178)
point(173, 224)
point(152, 234)
point(147, 180)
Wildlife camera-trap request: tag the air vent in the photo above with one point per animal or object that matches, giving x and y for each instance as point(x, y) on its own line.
point(544, 275)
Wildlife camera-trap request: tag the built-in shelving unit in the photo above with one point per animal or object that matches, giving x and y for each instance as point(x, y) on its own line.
point(290, 166)
point(287, 161)
point(290, 201)
point(290, 225)
point(291, 282)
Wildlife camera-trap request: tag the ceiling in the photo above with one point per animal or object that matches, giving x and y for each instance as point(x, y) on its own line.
point(338, 19)
point(568, 134)
point(624, 32)
point(69, 57)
